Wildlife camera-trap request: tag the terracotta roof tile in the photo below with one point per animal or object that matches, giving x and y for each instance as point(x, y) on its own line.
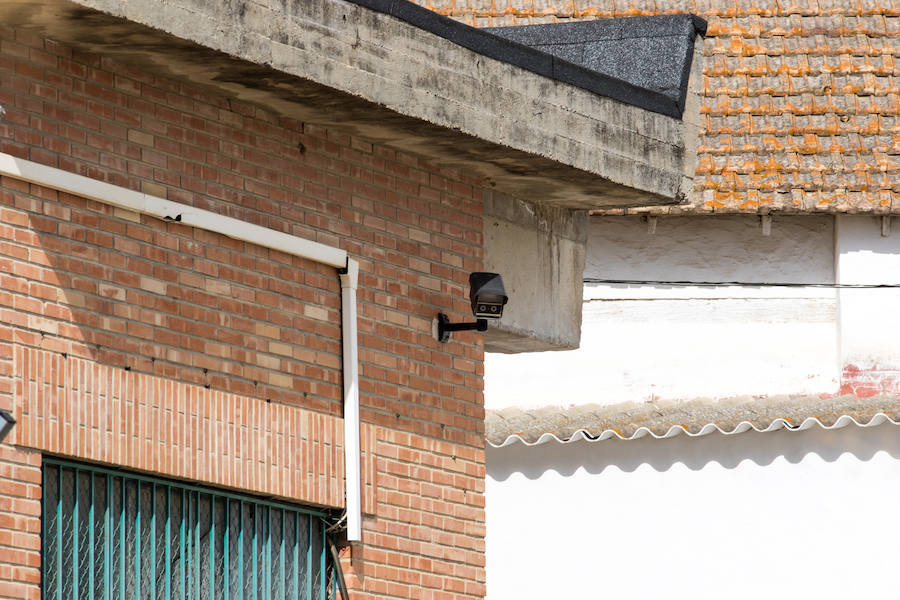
point(800, 98)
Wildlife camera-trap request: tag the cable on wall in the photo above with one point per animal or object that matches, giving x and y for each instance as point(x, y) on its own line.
point(865, 286)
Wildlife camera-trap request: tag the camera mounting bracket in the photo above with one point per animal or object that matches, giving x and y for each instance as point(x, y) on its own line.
point(443, 327)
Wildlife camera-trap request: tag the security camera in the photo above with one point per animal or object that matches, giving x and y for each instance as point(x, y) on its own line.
point(487, 295)
point(488, 298)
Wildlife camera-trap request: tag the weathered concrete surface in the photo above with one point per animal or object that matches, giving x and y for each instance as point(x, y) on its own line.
point(691, 141)
point(540, 253)
point(366, 73)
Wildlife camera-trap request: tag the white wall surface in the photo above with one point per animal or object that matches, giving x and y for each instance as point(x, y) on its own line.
point(870, 318)
point(641, 342)
point(807, 514)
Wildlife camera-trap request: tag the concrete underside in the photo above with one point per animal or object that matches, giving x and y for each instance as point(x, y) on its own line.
point(368, 74)
point(540, 251)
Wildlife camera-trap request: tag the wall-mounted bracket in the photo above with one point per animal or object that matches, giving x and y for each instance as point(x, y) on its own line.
point(443, 327)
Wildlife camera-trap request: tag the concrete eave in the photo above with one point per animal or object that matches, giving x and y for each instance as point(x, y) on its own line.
point(368, 73)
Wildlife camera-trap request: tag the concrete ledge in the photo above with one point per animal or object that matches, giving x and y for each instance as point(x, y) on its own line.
point(540, 252)
point(368, 73)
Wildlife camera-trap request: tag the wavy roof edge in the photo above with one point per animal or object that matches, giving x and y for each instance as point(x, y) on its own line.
point(492, 45)
point(631, 421)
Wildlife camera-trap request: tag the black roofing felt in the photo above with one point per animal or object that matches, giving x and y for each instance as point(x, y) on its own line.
point(652, 53)
point(642, 61)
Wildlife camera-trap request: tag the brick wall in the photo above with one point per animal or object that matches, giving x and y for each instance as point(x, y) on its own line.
point(73, 407)
point(133, 294)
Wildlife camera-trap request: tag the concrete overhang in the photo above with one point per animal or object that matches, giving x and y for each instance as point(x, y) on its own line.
point(533, 125)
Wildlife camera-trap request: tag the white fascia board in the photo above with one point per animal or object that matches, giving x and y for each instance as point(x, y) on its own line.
point(145, 204)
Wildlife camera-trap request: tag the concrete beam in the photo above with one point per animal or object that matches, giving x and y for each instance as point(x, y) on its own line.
point(371, 74)
point(540, 252)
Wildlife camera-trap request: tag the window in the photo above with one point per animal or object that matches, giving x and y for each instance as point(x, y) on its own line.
point(115, 535)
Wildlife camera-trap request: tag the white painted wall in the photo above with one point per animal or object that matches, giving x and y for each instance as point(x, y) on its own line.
point(778, 515)
point(784, 514)
point(641, 342)
point(870, 318)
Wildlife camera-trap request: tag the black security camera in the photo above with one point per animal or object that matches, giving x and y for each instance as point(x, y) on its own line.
point(488, 297)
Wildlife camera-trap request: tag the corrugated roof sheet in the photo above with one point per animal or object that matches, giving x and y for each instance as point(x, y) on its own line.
point(800, 100)
point(694, 418)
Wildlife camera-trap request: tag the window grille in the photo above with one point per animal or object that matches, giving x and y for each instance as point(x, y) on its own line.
point(120, 536)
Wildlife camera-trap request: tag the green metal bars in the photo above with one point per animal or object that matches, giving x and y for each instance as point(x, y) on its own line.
point(118, 536)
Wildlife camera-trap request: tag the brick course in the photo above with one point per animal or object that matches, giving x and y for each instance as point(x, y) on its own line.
point(207, 316)
point(72, 407)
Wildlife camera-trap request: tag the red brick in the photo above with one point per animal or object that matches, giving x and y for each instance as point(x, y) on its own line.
point(251, 324)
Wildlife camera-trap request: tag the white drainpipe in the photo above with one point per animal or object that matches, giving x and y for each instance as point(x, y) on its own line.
point(351, 400)
point(145, 204)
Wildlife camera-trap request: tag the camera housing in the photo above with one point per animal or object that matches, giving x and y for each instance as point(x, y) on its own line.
point(487, 295)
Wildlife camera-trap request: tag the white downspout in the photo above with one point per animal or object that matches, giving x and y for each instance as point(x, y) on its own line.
point(114, 195)
point(351, 400)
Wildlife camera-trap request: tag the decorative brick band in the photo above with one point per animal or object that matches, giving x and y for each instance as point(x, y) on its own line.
point(82, 409)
